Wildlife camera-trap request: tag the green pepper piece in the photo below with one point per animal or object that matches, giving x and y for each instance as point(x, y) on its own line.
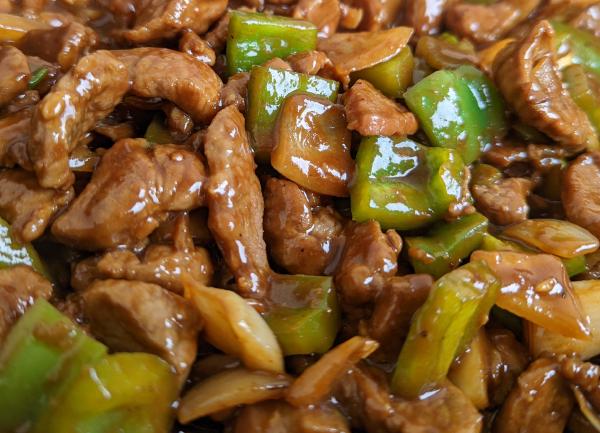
point(459, 109)
point(37, 77)
point(157, 132)
point(42, 354)
point(392, 77)
point(12, 253)
point(305, 315)
point(125, 392)
point(457, 306)
point(402, 184)
point(585, 91)
point(446, 244)
point(583, 46)
point(267, 89)
point(255, 38)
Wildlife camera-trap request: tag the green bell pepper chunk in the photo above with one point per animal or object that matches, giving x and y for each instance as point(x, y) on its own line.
point(446, 244)
point(12, 253)
point(583, 46)
point(305, 315)
point(125, 393)
point(267, 89)
point(457, 306)
point(393, 76)
point(255, 38)
point(37, 77)
point(404, 185)
point(157, 132)
point(42, 354)
point(459, 109)
point(585, 91)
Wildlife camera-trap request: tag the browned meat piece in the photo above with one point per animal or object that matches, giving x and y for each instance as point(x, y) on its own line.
point(503, 202)
point(378, 14)
point(160, 264)
point(309, 62)
point(527, 74)
point(234, 92)
point(235, 202)
point(20, 287)
point(279, 417)
point(86, 94)
point(217, 37)
point(351, 16)
point(394, 308)
point(160, 19)
point(369, 112)
point(180, 123)
point(585, 375)
point(28, 206)
point(277, 63)
point(580, 186)
point(588, 19)
point(192, 44)
point(507, 360)
point(130, 193)
point(131, 316)
point(63, 45)
point(369, 259)
point(488, 23)
point(303, 237)
point(425, 16)
point(541, 402)
point(325, 14)
point(14, 136)
point(367, 400)
point(14, 73)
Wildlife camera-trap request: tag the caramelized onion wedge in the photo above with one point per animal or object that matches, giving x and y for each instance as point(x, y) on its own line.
point(536, 287)
point(233, 326)
point(14, 27)
point(316, 382)
point(229, 389)
point(561, 238)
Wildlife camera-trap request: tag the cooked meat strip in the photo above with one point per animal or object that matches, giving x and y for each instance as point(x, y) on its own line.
point(580, 186)
point(235, 202)
point(180, 123)
point(234, 92)
point(20, 287)
point(425, 16)
point(527, 75)
point(585, 375)
point(369, 112)
point(588, 19)
point(504, 202)
point(130, 193)
point(325, 14)
point(14, 73)
point(14, 137)
point(351, 16)
point(192, 44)
point(540, 402)
point(277, 63)
point(217, 37)
point(303, 237)
point(160, 19)
point(370, 257)
point(309, 62)
point(62, 45)
point(28, 206)
point(132, 316)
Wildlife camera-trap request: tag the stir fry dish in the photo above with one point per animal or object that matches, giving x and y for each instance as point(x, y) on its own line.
point(299, 216)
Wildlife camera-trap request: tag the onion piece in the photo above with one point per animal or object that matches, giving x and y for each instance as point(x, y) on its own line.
point(586, 408)
point(14, 27)
point(233, 326)
point(229, 389)
point(316, 382)
point(558, 237)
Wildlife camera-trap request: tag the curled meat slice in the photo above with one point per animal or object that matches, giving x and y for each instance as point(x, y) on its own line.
point(585, 375)
point(369, 259)
point(235, 202)
point(235, 91)
point(540, 402)
point(369, 112)
point(27, 206)
point(302, 236)
point(132, 316)
point(20, 287)
point(192, 44)
point(160, 19)
point(527, 74)
point(14, 137)
point(325, 14)
point(588, 19)
point(504, 202)
point(86, 94)
point(14, 73)
point(217, 37)
point(309, 62)
point(580, 186)
point(425, 16)
point(487, 23)
point(377, 14)
point(130, 193)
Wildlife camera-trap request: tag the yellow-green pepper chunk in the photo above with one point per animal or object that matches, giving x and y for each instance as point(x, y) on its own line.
point(13, 253)
point(582, 46)
point(393, 76)
point(585, 91)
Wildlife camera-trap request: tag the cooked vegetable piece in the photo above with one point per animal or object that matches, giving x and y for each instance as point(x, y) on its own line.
point(446, 244)
point(405, 185)
point(305, 314)
point(267, 89)
point(13, 253)
point(582, 46)
point(585, 91)
point(255, 38)
point(14, 27)
point(457, 306)
point(43, 353)
point(37, 77)
point(125, 392)
point(441, 53)
point(391, 77)
point(536, 287)
point(157, 132)
point(312, 145)
point(459, 109)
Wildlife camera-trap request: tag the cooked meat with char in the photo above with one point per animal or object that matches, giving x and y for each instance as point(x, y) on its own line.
point(580, 192)
point(14, 73)
point(504, 202)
